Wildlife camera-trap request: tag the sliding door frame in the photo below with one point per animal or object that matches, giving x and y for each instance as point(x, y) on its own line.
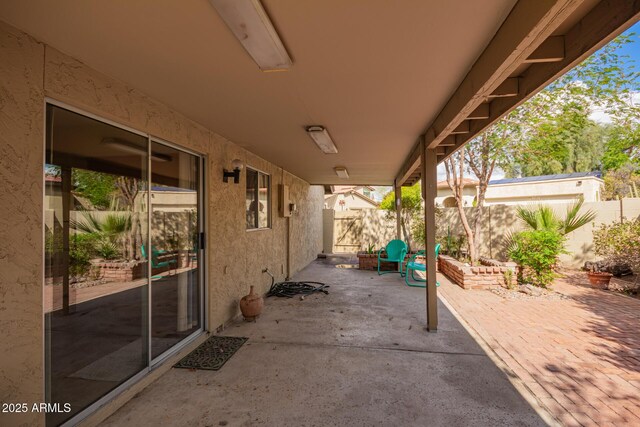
point(155, 362)
point(203, 275)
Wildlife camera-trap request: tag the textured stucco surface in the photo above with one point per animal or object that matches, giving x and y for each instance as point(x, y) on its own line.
point(236, 257)
point(21, 139)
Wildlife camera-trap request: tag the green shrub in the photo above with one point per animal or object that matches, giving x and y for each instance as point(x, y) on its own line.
point(619, 243)
point(537, 253)
point(81, 250)
point(107, 248)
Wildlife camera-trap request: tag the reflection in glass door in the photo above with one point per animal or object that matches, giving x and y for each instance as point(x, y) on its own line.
point(96, 284)
point(123, 257)
point(175, 216)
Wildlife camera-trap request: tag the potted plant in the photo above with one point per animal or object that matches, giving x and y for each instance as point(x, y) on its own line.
point(619, 244)
point(598, 278)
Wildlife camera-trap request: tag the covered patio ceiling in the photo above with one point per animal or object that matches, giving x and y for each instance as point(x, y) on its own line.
point(385, 78)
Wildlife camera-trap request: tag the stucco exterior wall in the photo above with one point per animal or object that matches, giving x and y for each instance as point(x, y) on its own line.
point(350, 202)
point(31, 71)
point(21, 237)
point(468, 195)
point(548, 192)
point(499, 220)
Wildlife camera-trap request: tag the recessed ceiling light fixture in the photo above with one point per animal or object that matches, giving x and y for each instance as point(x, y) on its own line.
point(322, 138)
point(341, 172)
point(251, 25)
point(130, 147)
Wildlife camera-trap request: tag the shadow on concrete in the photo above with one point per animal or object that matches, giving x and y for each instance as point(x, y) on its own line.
point(357, 356)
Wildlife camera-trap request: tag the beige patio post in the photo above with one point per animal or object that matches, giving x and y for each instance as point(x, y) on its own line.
point(429, 191)
point(398, 204)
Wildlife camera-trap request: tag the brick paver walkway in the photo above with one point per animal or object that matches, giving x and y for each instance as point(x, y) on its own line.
point(580, 357)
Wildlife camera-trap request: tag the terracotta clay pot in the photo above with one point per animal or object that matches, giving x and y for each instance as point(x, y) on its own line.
point(599, 280)
point(251, 305)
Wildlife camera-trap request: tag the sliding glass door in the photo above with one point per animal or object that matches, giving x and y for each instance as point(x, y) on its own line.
point(123, 275)
point(175, 245)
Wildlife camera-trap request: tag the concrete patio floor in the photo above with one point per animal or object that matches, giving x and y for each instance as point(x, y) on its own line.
point(358, 356)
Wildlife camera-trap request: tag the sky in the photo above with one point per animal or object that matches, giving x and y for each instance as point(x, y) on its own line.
point(633, 49)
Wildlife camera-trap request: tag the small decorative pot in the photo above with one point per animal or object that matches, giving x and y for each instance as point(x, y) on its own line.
point(599, 280)
point(251, 305)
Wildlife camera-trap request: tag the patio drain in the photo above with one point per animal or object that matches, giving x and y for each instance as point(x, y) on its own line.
point(212, 354)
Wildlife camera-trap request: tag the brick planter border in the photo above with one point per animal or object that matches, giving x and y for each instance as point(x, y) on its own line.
point(489, 275)
point(370, 262)
point(121, 271)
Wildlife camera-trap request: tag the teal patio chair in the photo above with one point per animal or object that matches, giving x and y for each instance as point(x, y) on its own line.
point(155, 253)
point(413, 266)
point(396, 251)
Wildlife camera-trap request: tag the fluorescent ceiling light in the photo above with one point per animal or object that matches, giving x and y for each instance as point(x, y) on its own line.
point(130, 147)
point(322, 138)
point(249, 22)
point(341, 172)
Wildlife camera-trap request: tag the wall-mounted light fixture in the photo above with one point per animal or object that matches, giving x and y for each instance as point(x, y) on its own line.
point(248, 21)
point(341, 172)
point(322, 139)
point(237, 165)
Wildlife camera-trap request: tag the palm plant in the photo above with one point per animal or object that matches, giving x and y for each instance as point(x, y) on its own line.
point(544, 218)
point(109, 230)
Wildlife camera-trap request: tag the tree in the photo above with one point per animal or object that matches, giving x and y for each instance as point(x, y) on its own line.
point(556, 132)
point(411, 206)
point(623, 182)
point(552, 132)
point(455, 167)
point(97, 187)
point(127, 196)
point(622, 147)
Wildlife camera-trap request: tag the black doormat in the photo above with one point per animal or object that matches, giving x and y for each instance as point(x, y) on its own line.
point(212, 354)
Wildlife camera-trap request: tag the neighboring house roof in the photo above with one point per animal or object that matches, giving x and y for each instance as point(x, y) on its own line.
point(331, 199)
point(466, 181)
point(368, 199)
point(339, 189)
point(546, 178)
point(52, 178)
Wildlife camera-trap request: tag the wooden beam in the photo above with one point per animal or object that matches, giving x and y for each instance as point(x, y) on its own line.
point(462, 128)
point(449, 141)
point(482, 112)
point(430, 191)
point(528, 24)
point(411, 164)
point(509, 87)
point(551, 50)
point(604, 22)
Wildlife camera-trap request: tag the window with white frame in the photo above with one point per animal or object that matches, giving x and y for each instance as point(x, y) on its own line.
point(258, 200)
